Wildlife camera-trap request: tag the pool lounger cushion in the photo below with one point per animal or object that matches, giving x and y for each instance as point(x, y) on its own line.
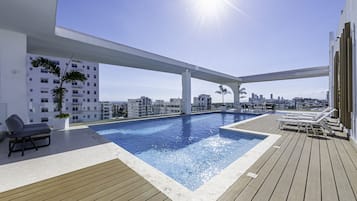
point(22, 133)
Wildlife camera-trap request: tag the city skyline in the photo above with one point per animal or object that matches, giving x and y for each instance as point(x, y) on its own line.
point(230, 44)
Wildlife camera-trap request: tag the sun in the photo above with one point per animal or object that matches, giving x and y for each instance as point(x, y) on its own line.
point(209, 11)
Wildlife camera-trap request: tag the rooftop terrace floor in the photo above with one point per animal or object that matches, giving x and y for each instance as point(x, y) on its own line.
point(298, 167)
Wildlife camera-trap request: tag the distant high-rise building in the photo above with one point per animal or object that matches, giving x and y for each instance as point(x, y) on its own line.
point(120, 109)
point(140, 107)
point(159, 107)
point(202, 102)
point(106, 110)
point(271, 97)
point(174, 105)
point(81, 100)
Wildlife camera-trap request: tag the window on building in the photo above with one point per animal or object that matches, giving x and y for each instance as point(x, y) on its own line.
point(44, 80)
point(31, 90)
point(95, 108)
point(88, 108)
point(95, 100)
point(31, 110)
point(87, 67)
point(88, 100)
point(88, 76)
point(74, 91)
point(95, 92)
point(44, 100)
point(44, 91)
point(31, 68)
point(74, 66)
point(94, 76)
point(44, 109)
point(44, 119)
point(74, 83)
point(31, 120)
point(94, 68)
point(31, 100)
point(88, 92)
point(95, 116)
point(56, 81)
point(75, 100)
point(88, 116)
point(95, 84)
point(44, 70)
point(30, 79)
point(87, 83)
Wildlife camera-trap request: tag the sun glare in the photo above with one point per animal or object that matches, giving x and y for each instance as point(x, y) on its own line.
point(208, 9)
point(213, 10)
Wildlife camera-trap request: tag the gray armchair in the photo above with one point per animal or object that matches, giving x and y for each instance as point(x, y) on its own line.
point(22, 133)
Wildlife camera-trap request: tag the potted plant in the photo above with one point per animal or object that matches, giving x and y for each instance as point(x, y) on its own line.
point(61, 120)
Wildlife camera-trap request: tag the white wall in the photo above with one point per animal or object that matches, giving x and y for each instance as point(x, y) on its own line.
point(350, 15)
point(13, 47)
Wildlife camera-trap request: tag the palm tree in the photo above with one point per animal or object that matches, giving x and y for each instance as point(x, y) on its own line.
point(223, 91)
point(64, 76)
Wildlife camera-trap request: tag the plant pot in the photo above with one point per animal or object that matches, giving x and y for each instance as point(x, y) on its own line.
point(61, 123)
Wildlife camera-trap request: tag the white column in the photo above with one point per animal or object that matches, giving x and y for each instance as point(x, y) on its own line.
point(13, 92)
point(235, 88)
point(186, 92)
point(331, 71)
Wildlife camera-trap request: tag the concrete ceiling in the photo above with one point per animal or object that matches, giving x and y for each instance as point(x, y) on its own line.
point(37, 19)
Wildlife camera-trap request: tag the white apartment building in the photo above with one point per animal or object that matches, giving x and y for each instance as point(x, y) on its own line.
point(139, 107)
point(159, 107)
point(174, 105)
point(202, 102)
point(81, 99)
point(106, 110)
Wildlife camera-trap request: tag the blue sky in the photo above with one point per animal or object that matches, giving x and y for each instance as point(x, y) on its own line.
point(238, 37)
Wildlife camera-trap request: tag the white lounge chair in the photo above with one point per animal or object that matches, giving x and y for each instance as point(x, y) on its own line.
point(307, 116)
point(307, 123)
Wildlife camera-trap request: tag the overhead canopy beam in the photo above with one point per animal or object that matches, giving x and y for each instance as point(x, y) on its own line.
point(320, 71)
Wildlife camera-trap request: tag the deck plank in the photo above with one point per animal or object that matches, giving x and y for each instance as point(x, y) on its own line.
point(87, 184)
point(313, 185)
point(328, 185)
point(251, 189)
point(344, 189)
point(271, 181)
point(283, 186)
point(348, 166)
point(297, 189)
point(240, 184)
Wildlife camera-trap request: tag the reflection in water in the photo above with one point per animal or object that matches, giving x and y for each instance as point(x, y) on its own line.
point(186, 129)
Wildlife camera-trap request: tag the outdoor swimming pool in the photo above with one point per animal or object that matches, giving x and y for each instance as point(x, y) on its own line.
point(189, 149)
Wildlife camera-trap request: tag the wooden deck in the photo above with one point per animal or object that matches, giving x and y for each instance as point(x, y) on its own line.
point(302, 168)
point(111, 180)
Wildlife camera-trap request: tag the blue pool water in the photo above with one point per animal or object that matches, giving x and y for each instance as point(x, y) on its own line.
point(190, 149)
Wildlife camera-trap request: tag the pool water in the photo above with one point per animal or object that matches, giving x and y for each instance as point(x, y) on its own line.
point(190, 149)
